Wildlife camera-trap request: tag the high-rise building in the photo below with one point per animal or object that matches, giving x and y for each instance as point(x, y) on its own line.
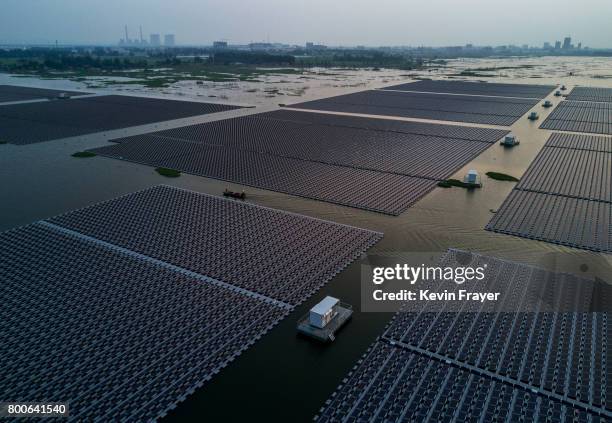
point(169, 40)
point(220, 44)
point(567, 43)
point(154, 40)
point(557, 45)
point(547, 46)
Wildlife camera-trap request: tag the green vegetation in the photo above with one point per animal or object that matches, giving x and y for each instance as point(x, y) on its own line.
point(501, 176)
point(473, 74)
point(169, 173)
point(494, 69)
point(160, 68)
point(454, 183)
point(84, 154)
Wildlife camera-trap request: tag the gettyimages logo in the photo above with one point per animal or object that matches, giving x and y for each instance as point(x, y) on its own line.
point(462, 281)
point(412, 275)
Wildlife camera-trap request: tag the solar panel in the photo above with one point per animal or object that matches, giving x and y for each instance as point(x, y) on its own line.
point(363, 163)
point(124, 308)
point(114, 336)
point(476, 88)
point(565, 197)
point(482, 366)
point(460, 108)
point(9, 93)
point(591, 94)
point(231, 241)
point(580, 116)
point(36, 122)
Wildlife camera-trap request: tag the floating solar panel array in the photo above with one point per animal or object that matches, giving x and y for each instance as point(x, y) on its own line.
point(36, 122)
point(475, 366)
point(476, 88)
point(89, 318)
point(372, 164)
point(276, 254)
point(117, 337)
point(501, 111)
point(10, 93)
point(565, 196)
point(591, 94)
point(580, 116)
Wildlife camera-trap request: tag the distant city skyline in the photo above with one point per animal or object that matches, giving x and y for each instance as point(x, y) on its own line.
point(342, 22)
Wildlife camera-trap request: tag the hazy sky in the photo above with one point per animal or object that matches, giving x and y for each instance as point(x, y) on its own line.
point(334, 22)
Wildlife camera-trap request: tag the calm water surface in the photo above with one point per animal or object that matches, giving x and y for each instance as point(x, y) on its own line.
point(284, 377)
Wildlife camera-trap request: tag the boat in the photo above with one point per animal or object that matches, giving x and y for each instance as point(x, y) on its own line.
point(232, 194)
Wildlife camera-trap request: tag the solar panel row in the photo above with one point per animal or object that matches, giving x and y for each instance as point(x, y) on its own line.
point(391, 125)
point(383, 167)
point(591, 94)
point(559, 220)
point(476, 88)
point(581, 142)
point(36, 122)
point(585, 174)
point(394, 384)
point(540, 349)
point(280, 255)
point(115, 336)
point(473, 365)
point(580, 116)
point(364, 189)
point(460, 108)
point(565, 196)
point(88, 320)
point(10, 93)
point(404, 154)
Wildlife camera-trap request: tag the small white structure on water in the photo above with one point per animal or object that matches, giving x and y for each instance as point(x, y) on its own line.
point(510, 140)
point(324, 312)
point(472, 178)
point(324, 319)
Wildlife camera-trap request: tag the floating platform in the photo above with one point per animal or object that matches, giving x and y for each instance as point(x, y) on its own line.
point(326, 334)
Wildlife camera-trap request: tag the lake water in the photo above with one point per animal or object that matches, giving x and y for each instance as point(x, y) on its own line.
point(284, 377)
